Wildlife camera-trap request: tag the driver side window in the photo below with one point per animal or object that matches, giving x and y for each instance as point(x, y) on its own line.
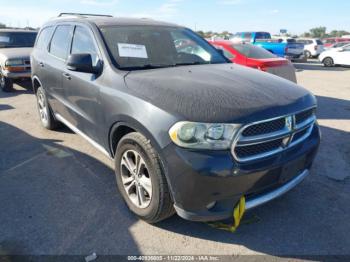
point(84, 43)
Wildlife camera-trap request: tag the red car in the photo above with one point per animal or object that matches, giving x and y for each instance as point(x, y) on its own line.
point(256, 57)
point(328, 42)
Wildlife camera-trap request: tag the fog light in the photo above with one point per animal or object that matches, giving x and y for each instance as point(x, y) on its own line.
point(211, 205)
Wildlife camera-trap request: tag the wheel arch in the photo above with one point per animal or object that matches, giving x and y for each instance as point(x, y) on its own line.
point(36, 83)
point(125, 125)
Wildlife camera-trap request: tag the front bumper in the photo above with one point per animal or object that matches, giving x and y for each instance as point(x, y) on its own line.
point(199, 178)
point(17, 75)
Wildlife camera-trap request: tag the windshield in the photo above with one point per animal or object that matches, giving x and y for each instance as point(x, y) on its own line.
point(17, 39)
point(148, 47)
point(252, 51)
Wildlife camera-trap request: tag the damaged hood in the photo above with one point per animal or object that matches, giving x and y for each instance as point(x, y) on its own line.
point(219, 93)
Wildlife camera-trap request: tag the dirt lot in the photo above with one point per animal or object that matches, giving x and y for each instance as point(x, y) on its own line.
point(58, 194)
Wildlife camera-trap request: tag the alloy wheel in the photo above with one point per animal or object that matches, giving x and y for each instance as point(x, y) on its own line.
point(42, 107)
point(136, 179)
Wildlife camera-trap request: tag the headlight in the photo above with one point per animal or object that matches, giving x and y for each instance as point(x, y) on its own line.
point(14, 62)
point(203, 135)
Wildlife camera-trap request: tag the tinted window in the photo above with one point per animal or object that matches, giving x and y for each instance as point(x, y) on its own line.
point(252, 51)
point(84, 43)
point(17, 39)
point(319, 42)
point(247, 37)
point(44, 38)
point(61, 40)
point(139, 47)
point(226, 53)
point(262, 35)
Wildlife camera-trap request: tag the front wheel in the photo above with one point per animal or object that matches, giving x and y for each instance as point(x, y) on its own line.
point(6, 84)
point(328, 62)
point(141, 180)
point(46, 117)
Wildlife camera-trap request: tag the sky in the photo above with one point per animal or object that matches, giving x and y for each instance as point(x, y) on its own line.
point(297, 16)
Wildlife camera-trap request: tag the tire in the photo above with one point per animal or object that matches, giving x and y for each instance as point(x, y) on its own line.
point(6, 84)
point(156, 204)
point(328, 62)
point(45, 114)
point(307, 54)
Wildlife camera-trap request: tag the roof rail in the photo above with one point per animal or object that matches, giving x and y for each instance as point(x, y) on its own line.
point(82, 15)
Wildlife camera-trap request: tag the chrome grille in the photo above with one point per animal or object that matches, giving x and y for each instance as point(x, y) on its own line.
point(265, 138)
point(264, 128)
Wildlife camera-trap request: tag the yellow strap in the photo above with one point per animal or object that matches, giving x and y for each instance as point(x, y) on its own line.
point(238, 213)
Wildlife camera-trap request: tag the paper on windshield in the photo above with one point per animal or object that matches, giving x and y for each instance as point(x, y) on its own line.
point(4, 39)
point(131, 50)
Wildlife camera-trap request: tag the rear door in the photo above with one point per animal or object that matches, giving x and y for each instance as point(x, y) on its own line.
point(54, 65)
point(82, 89)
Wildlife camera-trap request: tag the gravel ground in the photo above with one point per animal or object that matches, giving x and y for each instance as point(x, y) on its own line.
point(58, 193)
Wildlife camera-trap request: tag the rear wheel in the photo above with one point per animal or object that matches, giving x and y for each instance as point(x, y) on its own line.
point(328, 62)
point(308, 54)
point(46, 117)
point(141, 180)
point(6, 84)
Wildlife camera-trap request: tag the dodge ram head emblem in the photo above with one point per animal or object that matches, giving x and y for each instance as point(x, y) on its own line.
point(289, 123)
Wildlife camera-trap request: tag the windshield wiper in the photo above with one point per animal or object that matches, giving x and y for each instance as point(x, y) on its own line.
point(191, 63)
point(147, 66)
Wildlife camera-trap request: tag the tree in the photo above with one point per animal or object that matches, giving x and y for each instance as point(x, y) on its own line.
point(2, 25)
point(318, 32)
point(201, 33)
point(336, 33)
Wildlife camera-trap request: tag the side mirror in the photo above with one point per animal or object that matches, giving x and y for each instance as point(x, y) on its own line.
point(81, 63)
point(340, 49)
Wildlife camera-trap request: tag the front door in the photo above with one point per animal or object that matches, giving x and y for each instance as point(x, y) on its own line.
point(82, 89)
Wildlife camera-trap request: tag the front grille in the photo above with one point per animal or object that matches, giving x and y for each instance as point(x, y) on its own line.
point(269, 137)
point(301, 117)
point(262, 148)
point(265, 127)
point(299, 135)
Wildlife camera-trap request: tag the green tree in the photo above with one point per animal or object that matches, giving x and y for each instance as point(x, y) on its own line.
point(318, 32)
point(2, 25)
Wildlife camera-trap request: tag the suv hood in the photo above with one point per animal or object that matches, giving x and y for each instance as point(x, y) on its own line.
point(219, 93)
point(9, 53)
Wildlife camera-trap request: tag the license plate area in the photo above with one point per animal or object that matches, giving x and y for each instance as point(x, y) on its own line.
point(292, 169)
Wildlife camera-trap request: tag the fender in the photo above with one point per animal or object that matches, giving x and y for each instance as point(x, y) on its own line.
point(124, 120)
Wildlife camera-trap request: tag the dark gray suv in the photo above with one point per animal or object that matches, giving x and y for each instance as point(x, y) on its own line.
point(189, 131)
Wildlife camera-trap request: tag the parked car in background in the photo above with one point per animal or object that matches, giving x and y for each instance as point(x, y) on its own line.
point(337, 45)
point(290, 50)
point(188, 133)
point(256, 57)
point(312, 47)
point(336, 56)
point(327, 42)
point(15, 49)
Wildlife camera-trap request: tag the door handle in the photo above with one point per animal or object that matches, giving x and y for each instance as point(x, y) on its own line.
point(41, 64)
point(67, 76)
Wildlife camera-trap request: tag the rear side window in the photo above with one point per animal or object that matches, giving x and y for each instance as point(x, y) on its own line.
point(319, 42)
point(83, 43)
point(252, 51)
point(44, 38)
point(61, 40)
